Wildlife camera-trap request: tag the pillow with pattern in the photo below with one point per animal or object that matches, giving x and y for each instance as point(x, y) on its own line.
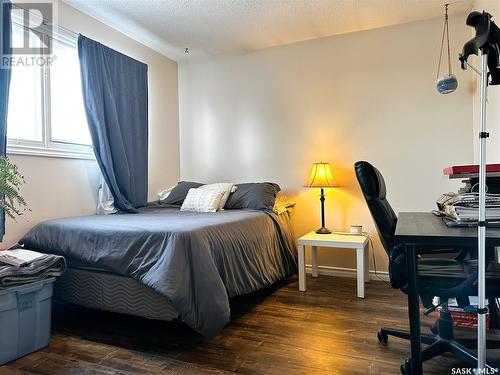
point(202, 200)
point(225, 188)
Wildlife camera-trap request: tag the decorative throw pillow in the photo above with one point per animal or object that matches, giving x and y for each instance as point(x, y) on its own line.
point(255, 195)
point(202, 200)
point(179, 192)
point(225, 188)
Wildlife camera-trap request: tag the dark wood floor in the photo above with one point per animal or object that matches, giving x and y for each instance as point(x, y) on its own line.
point(279, 331)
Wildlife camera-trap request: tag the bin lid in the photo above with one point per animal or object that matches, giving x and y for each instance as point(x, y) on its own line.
point(26, 287)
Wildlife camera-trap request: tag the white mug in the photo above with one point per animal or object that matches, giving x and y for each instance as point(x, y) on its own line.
point(356, 229)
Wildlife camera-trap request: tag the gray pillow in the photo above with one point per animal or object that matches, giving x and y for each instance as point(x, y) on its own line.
point(179, 192)
point(255, 195)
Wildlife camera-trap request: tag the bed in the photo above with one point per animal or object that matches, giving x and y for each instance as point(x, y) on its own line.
point(163, 263)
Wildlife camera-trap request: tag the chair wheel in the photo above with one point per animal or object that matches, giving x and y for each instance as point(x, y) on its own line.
point(382, 336)
point(405, 368)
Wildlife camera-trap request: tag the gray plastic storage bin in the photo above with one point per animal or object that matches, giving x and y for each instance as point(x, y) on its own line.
point(25, 319)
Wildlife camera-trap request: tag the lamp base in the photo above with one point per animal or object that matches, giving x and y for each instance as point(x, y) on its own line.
point(323, 230)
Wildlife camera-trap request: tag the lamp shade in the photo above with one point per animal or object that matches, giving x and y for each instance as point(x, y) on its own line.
point(321, 176)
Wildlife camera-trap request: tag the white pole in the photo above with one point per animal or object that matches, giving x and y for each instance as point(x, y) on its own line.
point(481, 235)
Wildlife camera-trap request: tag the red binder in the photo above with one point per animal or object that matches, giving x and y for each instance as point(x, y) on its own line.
point(467, 169)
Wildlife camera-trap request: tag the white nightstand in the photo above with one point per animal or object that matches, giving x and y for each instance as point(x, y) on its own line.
point(356, 242)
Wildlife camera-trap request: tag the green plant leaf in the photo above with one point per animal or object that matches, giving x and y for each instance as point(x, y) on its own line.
point(11, 200)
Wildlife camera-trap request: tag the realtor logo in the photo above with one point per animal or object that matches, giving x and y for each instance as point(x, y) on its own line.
point(36, 20)
point(30, 42)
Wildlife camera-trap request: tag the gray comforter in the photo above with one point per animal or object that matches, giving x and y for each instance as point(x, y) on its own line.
point(197, 260)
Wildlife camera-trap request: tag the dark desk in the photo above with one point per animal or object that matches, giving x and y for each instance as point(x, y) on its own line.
point(415, 230)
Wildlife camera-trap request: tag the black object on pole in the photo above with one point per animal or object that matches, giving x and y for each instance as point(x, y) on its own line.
point(487, 40)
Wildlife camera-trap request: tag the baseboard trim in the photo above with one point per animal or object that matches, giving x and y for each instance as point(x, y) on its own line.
point(347, 272)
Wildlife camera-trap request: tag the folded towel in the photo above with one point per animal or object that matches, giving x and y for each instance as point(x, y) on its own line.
point(39, 269)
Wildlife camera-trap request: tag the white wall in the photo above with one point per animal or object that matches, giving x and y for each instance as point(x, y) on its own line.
point(493, 107)
point(67, 187)
point(370, 95)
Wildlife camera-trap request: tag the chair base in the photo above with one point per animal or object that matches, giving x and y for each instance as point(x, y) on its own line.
point(439, 344)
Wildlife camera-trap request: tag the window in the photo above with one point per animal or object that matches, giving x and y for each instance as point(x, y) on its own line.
point(46, 114)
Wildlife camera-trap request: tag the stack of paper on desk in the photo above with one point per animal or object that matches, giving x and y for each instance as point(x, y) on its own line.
point(471, 213)
point(465, 207)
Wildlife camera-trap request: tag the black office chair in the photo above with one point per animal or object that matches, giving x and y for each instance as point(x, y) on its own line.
point(444, 277)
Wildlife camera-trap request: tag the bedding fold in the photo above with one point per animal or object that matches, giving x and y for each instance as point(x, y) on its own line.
point(39, 269)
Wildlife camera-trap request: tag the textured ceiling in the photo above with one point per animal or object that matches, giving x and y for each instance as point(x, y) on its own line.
point(212, 27)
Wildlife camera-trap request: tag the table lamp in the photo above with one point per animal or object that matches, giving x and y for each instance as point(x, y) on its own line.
point(321, 177)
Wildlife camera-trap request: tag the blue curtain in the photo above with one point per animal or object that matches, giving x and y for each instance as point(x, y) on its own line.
point(115, 91)
point(5, 73)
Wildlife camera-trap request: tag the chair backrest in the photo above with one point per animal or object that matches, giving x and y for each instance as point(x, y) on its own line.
point(373, 186)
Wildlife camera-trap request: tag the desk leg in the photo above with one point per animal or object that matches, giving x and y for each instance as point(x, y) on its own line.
point(302, 268)
point(314, 259)
point(414, 311)
point(360, 265)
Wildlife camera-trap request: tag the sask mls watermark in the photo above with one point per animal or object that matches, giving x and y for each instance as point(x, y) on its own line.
point(30, 39)
point(475, 371)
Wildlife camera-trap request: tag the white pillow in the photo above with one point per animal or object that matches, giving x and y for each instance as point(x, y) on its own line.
point(202, 200)
point(225, 188)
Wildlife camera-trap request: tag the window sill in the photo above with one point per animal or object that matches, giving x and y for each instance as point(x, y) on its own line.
point(49, 152)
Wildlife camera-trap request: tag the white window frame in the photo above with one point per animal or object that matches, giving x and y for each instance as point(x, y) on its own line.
point(48, 147)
